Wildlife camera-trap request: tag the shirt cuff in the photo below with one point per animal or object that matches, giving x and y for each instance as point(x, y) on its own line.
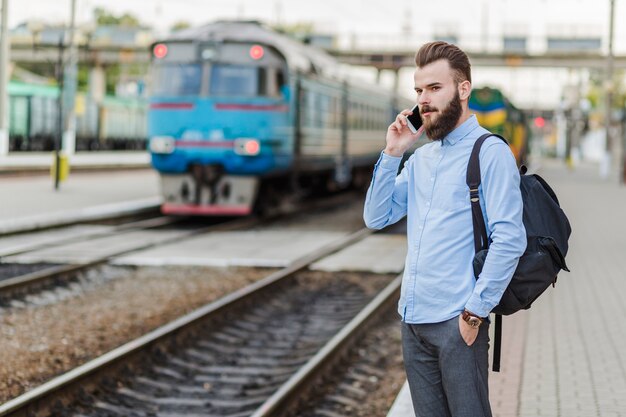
point(478, 307)
point(388, 161)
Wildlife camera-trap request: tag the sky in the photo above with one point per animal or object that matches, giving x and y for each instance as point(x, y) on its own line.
point(346, 16)
point(385, 23)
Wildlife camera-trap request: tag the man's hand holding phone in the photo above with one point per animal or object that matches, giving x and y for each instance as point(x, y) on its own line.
point(404, 132)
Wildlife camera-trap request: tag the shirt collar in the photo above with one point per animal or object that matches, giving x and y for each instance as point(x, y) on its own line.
point(460, 132)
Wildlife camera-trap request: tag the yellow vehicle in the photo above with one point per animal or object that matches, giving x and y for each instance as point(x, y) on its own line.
point(498, 115)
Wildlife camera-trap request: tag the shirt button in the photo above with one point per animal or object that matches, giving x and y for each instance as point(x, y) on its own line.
point(428, 203)
point(432, 178)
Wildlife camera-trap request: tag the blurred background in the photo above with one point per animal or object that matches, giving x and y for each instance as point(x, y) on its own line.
point(558, 61)
point(212, 143)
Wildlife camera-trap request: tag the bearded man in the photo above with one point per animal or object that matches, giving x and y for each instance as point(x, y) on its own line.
point(444, 309)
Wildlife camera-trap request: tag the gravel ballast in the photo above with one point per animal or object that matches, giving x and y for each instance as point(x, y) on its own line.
point(38, 343)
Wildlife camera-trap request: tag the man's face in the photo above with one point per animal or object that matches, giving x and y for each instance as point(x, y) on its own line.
point(438, 98)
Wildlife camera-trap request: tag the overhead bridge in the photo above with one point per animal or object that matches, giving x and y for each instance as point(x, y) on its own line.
point(394, 60)
point(383, 60)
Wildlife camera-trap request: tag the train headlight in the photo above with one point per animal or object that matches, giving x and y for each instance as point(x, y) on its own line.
point(162, 144)
point(249, 147)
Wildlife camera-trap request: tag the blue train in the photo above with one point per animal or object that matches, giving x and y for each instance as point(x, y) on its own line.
point(240, 116)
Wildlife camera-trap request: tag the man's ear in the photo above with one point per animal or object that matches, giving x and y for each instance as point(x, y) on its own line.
point(465, 88)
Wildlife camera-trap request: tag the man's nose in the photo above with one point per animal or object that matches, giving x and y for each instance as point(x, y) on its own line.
point(423, 99)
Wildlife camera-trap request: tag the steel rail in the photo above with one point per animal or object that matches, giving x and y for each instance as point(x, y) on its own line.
point(42, 277)
point(301, 383)
point(60, 390)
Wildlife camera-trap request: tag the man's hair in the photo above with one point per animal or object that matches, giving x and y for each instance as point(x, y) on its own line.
point(457, 59)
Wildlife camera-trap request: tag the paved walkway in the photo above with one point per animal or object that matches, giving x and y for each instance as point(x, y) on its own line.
point(575, 356)
point(566, 357)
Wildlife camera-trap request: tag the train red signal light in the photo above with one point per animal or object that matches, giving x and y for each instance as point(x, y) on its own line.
point(540, 122)
point(160, 50)
point(256, 52)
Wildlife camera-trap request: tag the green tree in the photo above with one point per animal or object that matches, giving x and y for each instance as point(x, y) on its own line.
point(180, 25)
point(596, 91)
point(106, 18)
point(297, 30)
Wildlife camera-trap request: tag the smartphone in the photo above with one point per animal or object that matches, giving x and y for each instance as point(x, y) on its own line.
point(415, 120)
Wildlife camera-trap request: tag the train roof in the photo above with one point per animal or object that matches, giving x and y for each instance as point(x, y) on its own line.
point(17, 88)
point(299, 56)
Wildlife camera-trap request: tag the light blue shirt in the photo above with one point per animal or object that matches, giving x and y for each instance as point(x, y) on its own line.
point(431, 191)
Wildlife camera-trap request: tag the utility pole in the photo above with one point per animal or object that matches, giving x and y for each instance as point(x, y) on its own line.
point(4, 80)
point(407, 26)
point(605, 167)
point(485, 25)
point(278, 10)
point(59, 135)
point(70, 87)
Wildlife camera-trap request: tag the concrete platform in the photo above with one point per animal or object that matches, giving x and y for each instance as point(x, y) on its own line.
point(383, 254)
point(257, 248)
point(31, 202)
point(17, 243)
point(565, 356)
point(402, 406)
point(86, 251)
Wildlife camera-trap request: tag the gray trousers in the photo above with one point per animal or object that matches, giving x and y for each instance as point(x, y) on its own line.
point(446, 377)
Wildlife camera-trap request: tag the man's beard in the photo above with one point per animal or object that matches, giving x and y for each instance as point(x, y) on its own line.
point(447, 120)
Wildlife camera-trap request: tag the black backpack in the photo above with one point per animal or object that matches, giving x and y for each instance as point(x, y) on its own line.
point(547, 232)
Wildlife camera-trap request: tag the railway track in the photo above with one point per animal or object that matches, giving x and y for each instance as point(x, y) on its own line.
point(52, 275)
point(366, 382)
point(17, 277)
point(253, 352)
point(46, 276)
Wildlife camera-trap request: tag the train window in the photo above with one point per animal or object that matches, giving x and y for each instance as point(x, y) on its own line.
point(280, 78)
point(241, 80)
point(334, 113)
point(263, 82)
point(310, 109)
point(177, 79)
point(234, 80)
point(325, 111)
point(317, 114)
point(354, 116)
point(277, 82)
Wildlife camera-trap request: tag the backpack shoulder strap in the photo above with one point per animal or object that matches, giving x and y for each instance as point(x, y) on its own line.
point(480, 231)
point(473, 181)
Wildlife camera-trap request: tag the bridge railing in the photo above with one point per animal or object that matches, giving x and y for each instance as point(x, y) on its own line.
point(477, 43)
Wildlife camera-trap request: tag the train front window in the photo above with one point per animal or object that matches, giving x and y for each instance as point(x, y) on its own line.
point(235, 80)
point(177, 79)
